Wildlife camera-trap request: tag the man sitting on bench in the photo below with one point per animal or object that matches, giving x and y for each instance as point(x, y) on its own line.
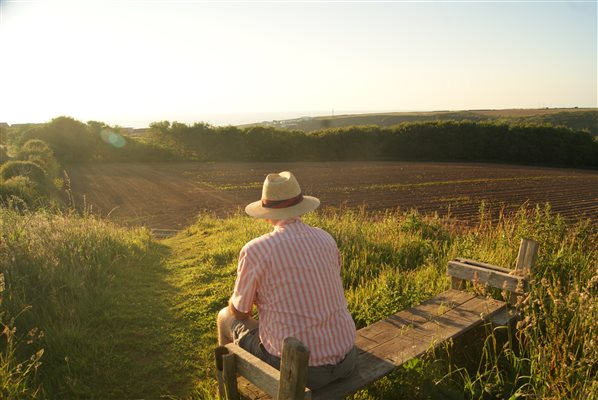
point(292, 275)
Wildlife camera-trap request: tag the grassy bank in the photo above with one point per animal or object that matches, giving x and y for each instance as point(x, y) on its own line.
point(123, 316)
point(91, 297)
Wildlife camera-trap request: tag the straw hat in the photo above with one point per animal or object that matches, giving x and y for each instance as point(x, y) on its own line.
point(281, 199)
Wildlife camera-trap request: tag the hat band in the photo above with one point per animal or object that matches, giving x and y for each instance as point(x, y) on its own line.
point(282, 203)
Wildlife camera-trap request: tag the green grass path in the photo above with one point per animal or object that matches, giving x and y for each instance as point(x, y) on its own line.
point(164, 315)
point(148, 343)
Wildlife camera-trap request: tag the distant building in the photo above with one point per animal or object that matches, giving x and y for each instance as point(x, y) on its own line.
point(24, 125)
point(135, 131)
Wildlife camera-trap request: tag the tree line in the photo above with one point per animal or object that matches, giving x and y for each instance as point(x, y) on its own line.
point(420, 141)
point(72, 141)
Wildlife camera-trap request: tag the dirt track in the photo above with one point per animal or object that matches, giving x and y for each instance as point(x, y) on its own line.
point(170, 195)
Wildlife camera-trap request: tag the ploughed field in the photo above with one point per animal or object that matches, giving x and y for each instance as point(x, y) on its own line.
point(170, 195)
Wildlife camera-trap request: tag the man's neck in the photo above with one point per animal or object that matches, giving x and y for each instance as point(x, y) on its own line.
point(283, 222)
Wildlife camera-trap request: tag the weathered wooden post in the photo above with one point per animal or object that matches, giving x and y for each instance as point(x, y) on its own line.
point(528, 253)
point(293, 370)
point(226, 373)
point(218, 353)
point(229, 373)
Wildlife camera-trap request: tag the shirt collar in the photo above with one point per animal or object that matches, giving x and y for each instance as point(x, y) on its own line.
point(280, 225)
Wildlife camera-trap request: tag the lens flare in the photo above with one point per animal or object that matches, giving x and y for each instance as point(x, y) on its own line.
point(113, 138)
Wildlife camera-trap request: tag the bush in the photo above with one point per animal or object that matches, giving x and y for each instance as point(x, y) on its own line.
point(40, 153)
point(20, 187)
point(27, 169)
point(70, 140)
point(3, 155)
point(36, 146)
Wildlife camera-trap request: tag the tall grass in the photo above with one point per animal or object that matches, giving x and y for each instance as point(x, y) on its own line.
point(98, 291)
point(59, 273)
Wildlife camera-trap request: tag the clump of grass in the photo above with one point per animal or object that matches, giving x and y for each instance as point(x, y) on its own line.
point(17, 377)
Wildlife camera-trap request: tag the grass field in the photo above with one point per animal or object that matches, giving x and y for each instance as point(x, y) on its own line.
point(119, 315)
point(171, 195)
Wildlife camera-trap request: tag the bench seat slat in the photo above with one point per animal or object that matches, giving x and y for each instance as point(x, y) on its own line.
point(385, 329)
point(421, 313)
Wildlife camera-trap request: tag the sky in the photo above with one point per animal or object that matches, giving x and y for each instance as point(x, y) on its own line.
point(133, 62)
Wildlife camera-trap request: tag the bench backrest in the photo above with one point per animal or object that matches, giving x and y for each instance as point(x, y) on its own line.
point(514, 281)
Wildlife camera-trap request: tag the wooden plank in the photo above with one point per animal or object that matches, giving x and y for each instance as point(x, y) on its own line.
point(457, 284)
point(421, 313)
point(229, 374)
point(410, 343)
point(387, 332)
point(431, 308)
point(526, 259)
point(258, 372)
point(363, 343)
point(369, 368)
point(504, 317)
point(416, 341)
point(293, 370)
point(380, 332)
point(218, 353)
point(251, 392)
point(255, 370)
point(493, 278)
point(484, 265)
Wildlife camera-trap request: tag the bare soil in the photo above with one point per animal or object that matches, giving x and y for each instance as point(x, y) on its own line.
point(171, 195)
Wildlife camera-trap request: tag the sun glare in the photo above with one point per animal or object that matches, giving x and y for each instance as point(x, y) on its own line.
point(137, 62)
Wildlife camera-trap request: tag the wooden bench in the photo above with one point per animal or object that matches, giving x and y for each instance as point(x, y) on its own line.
point(386, 344)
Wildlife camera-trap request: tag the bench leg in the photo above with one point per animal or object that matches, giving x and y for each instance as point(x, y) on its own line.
point(229, 373)
point(226, 373)
point(293, 370)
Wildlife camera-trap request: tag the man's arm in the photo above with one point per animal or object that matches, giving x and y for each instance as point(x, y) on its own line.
point(238, 314)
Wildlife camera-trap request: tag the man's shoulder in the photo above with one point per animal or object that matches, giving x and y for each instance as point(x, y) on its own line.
point(321, 233)
point(258, 242)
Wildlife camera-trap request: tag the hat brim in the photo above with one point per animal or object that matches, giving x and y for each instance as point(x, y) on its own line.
point(308, 204)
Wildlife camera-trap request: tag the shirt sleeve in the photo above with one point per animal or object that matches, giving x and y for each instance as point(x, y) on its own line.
point(245, 284)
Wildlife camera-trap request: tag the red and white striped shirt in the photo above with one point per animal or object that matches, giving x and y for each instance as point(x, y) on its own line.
point(292, 274)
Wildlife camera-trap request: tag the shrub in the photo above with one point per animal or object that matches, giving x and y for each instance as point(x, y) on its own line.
point(28, 169)
point(20, 187)
point(70, 140)
point(36, 145)
point(3, 155)
point(40, 153)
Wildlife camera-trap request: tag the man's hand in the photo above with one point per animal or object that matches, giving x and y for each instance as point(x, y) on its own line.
point(238, 314)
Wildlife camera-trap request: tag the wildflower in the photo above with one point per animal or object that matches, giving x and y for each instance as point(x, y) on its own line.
point(544, 282)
